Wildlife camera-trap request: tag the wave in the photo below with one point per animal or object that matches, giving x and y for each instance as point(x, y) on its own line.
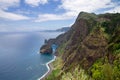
point(47, 64)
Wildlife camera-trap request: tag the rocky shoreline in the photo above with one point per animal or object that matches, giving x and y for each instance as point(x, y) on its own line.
point(50, 68)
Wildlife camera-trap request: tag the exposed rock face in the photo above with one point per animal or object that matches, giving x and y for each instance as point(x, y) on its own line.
point(85, 42)
point(58, 41)
point(46, 49)
point(92, 37)
point(86, 52)
point(78, 31)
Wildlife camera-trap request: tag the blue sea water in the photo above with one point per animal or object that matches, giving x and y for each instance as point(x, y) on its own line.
point(19, 55)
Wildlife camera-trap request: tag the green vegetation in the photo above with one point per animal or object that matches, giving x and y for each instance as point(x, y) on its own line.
point(105, 71)
point(92, 51)
point(114, 42)
point(87, 16)
point(96, 70)
point(76, 74)
point(61, 48)
point(116, 69)
point(57, 65)
point(53, 75)
point(101, 70)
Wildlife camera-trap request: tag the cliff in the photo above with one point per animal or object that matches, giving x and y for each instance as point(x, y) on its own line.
point(91, 44)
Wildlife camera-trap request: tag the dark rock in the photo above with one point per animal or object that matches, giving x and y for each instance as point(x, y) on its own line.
point(46, 49)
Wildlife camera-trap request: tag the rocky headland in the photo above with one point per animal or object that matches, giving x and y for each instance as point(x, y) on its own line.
point(91, 48)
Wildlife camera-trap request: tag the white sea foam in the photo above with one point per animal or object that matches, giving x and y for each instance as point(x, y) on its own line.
point(47, 64)
point(38, 52)
point(43, 64)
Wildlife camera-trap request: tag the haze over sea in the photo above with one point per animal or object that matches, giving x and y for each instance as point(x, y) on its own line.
point(19, 55)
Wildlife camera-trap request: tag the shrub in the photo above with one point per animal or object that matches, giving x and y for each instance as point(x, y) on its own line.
point(77, 74)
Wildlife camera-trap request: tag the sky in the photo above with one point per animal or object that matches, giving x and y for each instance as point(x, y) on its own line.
point(37, 15)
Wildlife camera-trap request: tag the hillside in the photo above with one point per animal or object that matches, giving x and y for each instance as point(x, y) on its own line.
point(90, 50)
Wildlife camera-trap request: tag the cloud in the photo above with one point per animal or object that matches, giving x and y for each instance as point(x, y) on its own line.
point(12, 16)
point(52, 17)
point(114, 10)
point(73, 7)
point(85, 5)
point(48, 17)
point(36, 2)
point(4, 4)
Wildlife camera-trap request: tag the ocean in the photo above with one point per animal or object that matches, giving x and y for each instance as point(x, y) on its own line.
point(19, 55)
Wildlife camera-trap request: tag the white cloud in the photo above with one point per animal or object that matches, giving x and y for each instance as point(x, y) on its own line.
point(51, 17)
point(36, 2)
point(114, 10)
point(4, 4)
point(73, 7)
point(47, 17)
point(12, 16)
point(85, 5)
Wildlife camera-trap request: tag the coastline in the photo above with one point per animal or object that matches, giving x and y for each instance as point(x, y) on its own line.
point(49, 67)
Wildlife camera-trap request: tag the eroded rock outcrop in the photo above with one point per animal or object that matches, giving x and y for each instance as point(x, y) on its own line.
point(46, 49)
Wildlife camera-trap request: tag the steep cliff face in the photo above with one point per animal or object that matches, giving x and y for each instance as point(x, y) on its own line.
point(79, 29)
point(92, 38)
point(88, 39)
point(86, 52)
